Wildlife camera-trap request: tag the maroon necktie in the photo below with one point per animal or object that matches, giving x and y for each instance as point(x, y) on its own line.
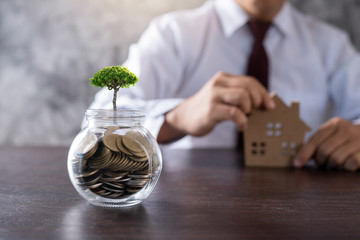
point(258, 63)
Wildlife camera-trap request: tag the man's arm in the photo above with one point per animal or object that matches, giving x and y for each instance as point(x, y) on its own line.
point(337, 142)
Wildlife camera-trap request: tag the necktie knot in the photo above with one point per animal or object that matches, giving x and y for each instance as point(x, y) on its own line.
point(259, 29)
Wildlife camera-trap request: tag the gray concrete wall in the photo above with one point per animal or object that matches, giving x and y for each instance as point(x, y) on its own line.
point(49, 49)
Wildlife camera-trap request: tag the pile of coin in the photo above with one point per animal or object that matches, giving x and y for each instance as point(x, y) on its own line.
point(116, 165)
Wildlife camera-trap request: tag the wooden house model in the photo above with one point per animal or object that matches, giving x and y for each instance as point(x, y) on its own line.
point(273, 137)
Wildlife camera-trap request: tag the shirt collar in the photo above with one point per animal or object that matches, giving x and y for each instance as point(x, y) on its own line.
point(284, 21)
point(232, 17)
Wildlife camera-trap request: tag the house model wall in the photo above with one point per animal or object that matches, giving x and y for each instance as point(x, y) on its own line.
point(274, 136)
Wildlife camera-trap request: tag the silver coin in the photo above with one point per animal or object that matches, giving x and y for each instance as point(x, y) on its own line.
point(111, 179)
point(115, 185)
point(93, 181)
point(115, 190)
point(138, 176)
point(115, 195)
point(137, 182)
point(87, 147)
point(123, 180)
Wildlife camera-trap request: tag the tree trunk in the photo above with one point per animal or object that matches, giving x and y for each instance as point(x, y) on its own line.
point(114, 99)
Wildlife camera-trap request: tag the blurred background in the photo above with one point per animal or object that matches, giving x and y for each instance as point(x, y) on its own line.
point(50, 49)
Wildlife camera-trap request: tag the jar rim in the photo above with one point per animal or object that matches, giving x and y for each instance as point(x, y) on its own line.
point(120, 113)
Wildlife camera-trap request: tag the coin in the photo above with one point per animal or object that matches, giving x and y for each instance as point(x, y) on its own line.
point(115, 185)
point(133, 190)
point(101, 158)
point(94, 186)
point(93, 181)
point(136, 183)
point(104, 194)
point(134, 141)
point(110, 141)
point(112, 189)
point(115, 195)
point(111, 179)
point(138, 159)
point(121, 146)
point(87, 174)
point(123, 180)
point(142, 172)
point(138, 176)
point(87, 147)
point(115, 174)
point(99, 191)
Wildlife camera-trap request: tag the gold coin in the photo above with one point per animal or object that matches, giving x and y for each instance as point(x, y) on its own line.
point(138, 159)
point(110, 142)
point(134, 141)
point(132, 190)
point(87, 174)
point(121, 146)
point(143, 141)
point(95, 186)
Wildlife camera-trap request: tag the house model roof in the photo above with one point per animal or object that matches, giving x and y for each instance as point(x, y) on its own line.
point(274, 136)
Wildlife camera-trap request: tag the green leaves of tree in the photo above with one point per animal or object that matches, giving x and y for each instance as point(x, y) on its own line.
point(114, 77)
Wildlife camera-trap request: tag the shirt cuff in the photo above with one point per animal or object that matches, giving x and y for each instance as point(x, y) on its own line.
point(155, 113)
point(356, 121)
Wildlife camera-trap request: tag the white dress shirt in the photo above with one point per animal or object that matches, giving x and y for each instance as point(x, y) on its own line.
point(310, 61)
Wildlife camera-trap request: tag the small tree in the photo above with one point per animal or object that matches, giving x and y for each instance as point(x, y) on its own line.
point(114, 78)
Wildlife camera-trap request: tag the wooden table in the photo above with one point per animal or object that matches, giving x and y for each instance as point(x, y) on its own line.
point(201, 194)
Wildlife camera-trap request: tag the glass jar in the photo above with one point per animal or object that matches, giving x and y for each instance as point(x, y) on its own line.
point(114, 161)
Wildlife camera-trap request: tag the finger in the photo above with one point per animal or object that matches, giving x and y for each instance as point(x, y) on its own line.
point(308, 149)
point(234, 96)
point(268, 100)
point(258, 93)
point(353, 163)
point(339, 156)
point(228, 80)
point(329, 146)
point(232, 113)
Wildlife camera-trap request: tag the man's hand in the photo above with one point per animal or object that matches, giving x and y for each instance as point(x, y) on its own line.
point(336, 144)
point(224, 97)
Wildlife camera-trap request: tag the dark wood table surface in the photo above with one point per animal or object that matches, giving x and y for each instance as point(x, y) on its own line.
point(201, 194)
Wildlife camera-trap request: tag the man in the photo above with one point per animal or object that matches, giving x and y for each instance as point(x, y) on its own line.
point(196, 89)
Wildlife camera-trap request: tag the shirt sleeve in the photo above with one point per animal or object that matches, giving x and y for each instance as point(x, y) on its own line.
point(345, 81)
point(158, 62)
